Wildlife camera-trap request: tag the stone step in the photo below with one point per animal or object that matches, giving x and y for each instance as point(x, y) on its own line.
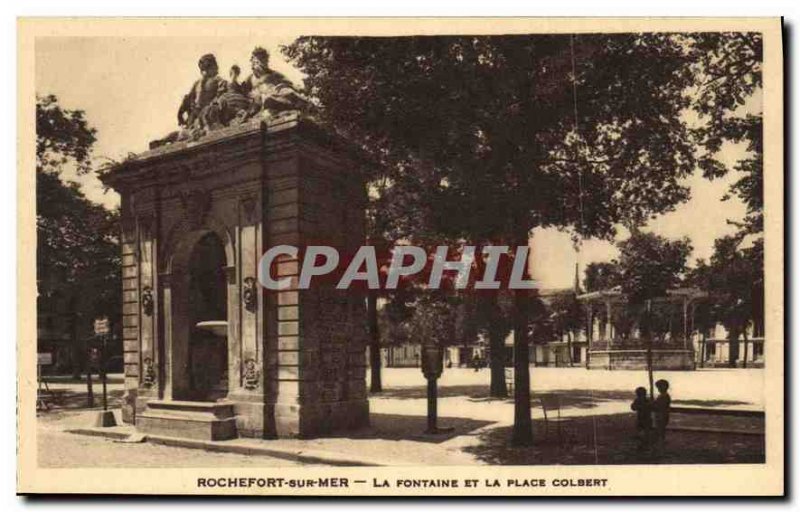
point(220, 410)
point(210, 421)
point(189, 428)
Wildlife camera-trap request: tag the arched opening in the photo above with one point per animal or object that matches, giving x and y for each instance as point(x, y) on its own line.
point(207, 314)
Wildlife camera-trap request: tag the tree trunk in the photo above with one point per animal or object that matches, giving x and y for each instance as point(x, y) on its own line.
point(374, 343)
point(649, 341)
point(497, 368)
point(703, 350)
point(650, 367)
point(497, 348)
point(733, 347)
point(78, 352)
point(569, 348)
point(523, 427)
point(744, 358)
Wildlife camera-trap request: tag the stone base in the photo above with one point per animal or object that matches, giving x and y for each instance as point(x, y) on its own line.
point(314, 420)
point(105, 419)
point(253, 419)
point(242, 417)
point(209, 421)
point(129, 406)
point(636, 359)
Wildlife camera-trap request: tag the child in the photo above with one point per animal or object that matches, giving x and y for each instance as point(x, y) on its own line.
point(661, 407)
point(644, 422)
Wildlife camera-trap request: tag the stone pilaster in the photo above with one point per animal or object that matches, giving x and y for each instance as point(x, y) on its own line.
point(130, 329)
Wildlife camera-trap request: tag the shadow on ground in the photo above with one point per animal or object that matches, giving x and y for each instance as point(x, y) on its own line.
point(396, 427)
point(609, 439)
point(708, 403)
point(568, 398)
point(66, 399)
point(112, 378)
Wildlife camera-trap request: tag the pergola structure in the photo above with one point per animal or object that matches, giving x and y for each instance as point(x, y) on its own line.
point(608, 350)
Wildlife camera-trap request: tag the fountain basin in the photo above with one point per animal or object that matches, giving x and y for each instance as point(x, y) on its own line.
point(216, 327)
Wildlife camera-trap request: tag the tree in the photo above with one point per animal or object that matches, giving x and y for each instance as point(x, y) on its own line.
point(731, 64)
point(567, 317)
point(482, 133)
point(600, 276)
point(650, 265)
point(735, 279)
point(77, 254)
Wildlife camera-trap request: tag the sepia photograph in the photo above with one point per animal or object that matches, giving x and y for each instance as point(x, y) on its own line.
point(354, 257)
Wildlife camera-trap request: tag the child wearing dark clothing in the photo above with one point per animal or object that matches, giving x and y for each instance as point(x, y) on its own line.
point(644, 423)
point(661, 407)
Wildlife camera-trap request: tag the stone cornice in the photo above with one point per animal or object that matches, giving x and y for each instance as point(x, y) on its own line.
point(255, 139)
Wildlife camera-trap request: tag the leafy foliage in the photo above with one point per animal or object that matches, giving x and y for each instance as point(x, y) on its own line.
point(63, 137)
point(730, 65)
point(651, 264)
point(566, 314)
point(477, 133)
point(424, 316)
point(601, 276)
point(77, 255)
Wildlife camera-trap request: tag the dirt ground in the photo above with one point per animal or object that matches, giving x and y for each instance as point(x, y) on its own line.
point(596, 427)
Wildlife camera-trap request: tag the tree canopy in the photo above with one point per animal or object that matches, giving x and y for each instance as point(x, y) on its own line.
point(77, 253)
point(650, 265)
point(480, 135)
point(730, 67)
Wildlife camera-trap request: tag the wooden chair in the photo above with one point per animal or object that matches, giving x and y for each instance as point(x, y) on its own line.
point(551, 403)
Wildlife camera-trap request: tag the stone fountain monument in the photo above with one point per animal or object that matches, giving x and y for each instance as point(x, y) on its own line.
point(209, 354)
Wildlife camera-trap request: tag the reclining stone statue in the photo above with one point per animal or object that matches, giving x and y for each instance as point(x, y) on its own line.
point(214, 102)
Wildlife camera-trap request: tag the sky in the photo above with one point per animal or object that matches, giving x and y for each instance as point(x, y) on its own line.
point(130, 89)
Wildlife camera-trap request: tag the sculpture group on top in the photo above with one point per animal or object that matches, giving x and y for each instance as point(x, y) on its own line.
point(214, 102)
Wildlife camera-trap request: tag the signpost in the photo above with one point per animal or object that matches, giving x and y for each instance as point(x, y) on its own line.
point(42, 359)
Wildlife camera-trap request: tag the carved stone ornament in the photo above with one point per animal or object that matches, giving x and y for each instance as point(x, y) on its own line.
point(146, 223)
point(249, 209)
point(251, 374)
point(250, 293)
point(196, 204)
point(148, 373)
point(147, 301)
